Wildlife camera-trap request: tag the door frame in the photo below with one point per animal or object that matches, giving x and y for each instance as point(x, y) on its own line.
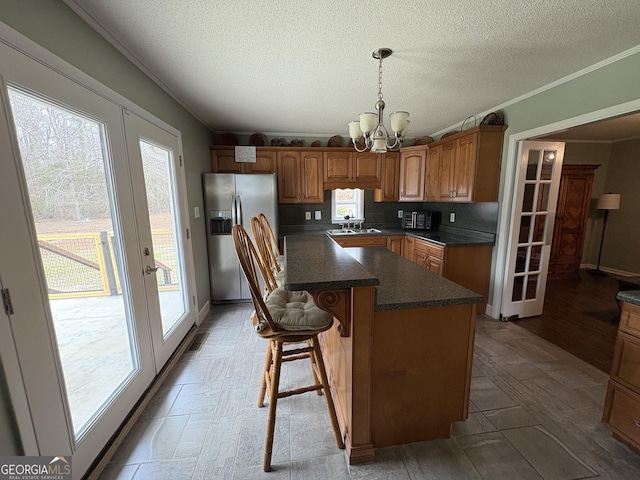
point(16, 387)
point(511, 172)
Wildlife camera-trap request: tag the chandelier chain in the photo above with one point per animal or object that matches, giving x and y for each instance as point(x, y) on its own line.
point(380, 80)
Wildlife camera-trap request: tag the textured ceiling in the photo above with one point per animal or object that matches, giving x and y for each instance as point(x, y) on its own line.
point(288, 67)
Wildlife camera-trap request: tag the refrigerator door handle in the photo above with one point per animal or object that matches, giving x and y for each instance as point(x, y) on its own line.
point(239, 208)
point(234, 218)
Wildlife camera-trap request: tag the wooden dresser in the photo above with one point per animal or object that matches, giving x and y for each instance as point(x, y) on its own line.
point(622, 405)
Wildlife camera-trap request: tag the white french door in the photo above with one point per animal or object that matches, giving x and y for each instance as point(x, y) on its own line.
point(95, 257)
point(166, 252)
point(532, 222)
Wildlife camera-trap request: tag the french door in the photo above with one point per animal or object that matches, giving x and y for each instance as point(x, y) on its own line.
point(96, 257)
point(532, 222)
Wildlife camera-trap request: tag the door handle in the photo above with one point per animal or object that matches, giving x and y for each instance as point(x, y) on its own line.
point(234, 216)
point(149, 270)
point(239, 209)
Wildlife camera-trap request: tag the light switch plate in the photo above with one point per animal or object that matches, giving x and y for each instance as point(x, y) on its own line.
point(452, 217)
point(307, 215)
point(318, 215)
point(196, 212)
point(400, 212)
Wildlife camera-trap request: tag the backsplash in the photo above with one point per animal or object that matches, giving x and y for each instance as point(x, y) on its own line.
point(482, 217)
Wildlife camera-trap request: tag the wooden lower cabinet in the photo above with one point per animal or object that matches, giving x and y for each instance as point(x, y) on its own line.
point(469, 266)
point(622, 405)
point(395, 243)
point(362, 241)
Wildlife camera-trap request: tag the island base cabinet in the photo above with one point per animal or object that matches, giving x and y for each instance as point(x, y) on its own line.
point(421, 364)
point(406, 377)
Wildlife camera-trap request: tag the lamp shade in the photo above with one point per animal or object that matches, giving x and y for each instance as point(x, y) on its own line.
point(354, 130)
point(368, 121)
point(608, 201)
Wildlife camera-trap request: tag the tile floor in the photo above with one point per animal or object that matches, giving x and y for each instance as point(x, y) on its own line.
point(535, 414)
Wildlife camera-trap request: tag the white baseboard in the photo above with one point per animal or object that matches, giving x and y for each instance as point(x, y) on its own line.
point(202, 314)
point(614, 271)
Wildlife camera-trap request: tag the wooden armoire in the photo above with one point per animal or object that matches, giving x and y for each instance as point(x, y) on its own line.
point(571, 220)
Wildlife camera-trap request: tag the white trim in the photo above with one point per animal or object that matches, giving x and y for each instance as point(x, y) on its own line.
point(511, 169)
point(549, 86)
point(202, 314)
point(615, 271)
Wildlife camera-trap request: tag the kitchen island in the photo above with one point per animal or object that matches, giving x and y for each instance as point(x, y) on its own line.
point(400, 359)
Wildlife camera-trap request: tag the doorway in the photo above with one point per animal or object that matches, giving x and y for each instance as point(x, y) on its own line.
point(100, 271)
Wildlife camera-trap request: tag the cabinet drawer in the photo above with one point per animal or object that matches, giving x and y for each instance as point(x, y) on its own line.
point(429, 248)
point(622, 412)
point(626, 361)
point(630, 319)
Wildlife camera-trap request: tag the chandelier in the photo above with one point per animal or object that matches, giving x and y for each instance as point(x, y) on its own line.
point(371, 125)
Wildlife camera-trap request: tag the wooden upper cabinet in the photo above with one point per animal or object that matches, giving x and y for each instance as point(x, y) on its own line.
point(343, 169)
point(389, 190)
point(467, 166)
point(288, 177)
point(432, 182)
point(311, 177)
point(412, 174)
point(464, 168)
point(223, 160)
point(299, 177)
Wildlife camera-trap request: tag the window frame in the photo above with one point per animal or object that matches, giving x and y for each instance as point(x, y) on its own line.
point(358, 215)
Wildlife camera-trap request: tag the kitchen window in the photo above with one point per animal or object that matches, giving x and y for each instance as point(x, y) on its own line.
point(347, 201)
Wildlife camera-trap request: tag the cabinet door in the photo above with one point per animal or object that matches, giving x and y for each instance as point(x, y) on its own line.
point(265, 163)
point(389, 178)
point(408, 248)
point(432, 183)
point(311, 189)
point(464, 168)
point(435, 264)
point(337, 169)
point(224, 161)
point(366, 170)
point(394, 243)
point(445, 175)
point(412, 173)
point(288, 177)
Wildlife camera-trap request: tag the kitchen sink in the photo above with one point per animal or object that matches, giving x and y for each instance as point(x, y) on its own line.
point(349, 231)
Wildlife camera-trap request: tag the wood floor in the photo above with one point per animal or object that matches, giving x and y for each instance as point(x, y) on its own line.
point(581, 317)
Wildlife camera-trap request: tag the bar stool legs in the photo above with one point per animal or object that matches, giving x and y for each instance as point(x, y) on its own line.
point(271, 380)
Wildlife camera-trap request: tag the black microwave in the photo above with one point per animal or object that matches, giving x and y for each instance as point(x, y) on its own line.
point(420, 220)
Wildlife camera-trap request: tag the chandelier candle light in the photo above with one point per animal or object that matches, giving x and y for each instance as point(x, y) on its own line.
point(371, 126)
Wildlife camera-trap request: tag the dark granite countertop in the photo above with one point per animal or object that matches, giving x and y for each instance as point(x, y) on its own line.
point(315, 262)
point(443, 237)
point(405, 285)
point(629, 296)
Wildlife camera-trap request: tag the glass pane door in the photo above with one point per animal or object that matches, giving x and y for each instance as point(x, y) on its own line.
point(65, 159)
point(532, 228)
point(160, 204)
point(157, 162)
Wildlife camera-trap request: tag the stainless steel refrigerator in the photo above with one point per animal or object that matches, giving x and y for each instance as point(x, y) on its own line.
point(231, 199)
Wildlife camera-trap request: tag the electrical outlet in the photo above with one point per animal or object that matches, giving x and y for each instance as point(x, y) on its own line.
point(307, 215)
point(196, 212)
point(400, 212)
point(318, 215)
point(452, 217)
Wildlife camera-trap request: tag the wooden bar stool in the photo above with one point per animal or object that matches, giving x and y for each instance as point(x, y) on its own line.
point(284, 317)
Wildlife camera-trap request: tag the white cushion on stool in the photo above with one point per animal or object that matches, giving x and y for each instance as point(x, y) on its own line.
point(296, 310)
